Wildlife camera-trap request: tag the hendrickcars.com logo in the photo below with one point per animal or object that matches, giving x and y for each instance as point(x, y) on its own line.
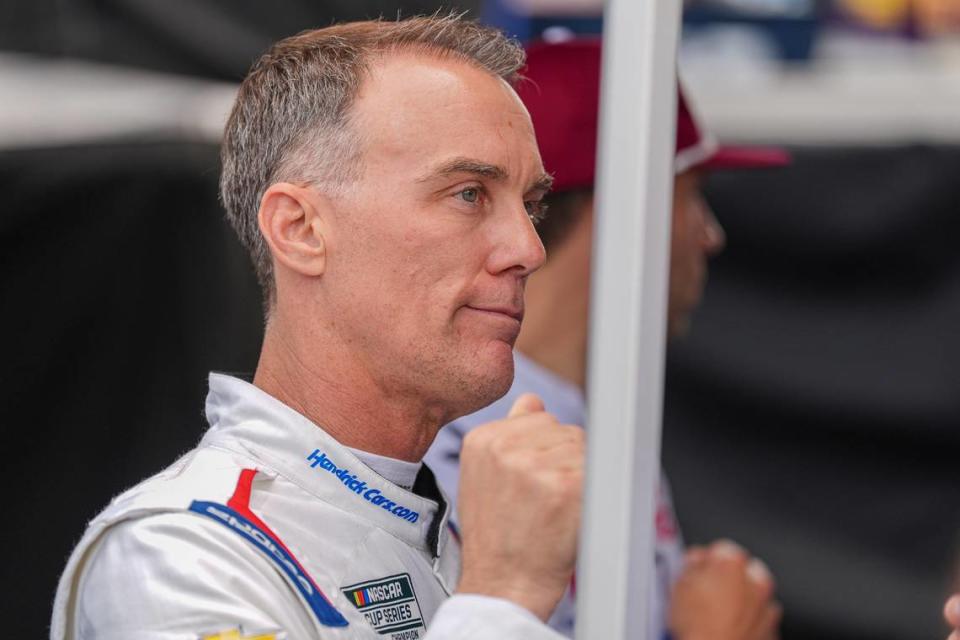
point(359, 487)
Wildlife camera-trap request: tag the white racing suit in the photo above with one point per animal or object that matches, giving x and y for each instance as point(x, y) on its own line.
point(271, 529)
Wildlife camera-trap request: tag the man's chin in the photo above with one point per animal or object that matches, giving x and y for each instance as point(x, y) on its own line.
point(490, 382)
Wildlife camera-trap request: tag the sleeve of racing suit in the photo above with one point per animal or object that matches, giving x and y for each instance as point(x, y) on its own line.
point(175, 576)
point(475, 617)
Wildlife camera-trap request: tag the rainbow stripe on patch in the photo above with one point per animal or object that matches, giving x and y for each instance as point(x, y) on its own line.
point(361, 597)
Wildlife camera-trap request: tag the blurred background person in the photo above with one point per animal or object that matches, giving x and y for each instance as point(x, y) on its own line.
point(562, 94)
point(810, 412)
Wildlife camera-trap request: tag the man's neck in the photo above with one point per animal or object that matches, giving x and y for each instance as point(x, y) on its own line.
point(348, 405)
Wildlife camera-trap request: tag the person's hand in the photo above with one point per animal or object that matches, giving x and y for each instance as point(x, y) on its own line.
point(521, 484)
point(724, 594)
point(951, 613)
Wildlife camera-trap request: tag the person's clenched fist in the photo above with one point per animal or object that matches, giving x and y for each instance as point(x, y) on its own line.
point(724, 594)
point(521, 485)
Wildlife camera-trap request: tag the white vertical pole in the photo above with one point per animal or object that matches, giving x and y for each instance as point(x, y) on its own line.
point(628, 317)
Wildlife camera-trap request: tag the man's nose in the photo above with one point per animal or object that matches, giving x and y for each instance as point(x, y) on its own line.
point(520, 248)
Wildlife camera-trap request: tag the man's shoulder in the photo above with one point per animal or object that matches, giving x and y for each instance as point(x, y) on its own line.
point(179, 575)
point(191, 528)
point(201, 474)
point(236, 496)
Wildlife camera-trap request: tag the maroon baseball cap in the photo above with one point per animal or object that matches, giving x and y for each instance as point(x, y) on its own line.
point(562, 93)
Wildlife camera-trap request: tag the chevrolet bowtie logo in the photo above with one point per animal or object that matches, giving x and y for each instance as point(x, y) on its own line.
point(236, 634)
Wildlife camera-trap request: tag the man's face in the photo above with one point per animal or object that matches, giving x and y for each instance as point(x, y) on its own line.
point(429, 250)
point(696, 236)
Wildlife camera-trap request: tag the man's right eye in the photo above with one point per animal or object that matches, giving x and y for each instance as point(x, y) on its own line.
point(471, 195)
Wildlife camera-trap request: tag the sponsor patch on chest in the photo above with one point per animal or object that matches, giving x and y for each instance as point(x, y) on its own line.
point(389, 605)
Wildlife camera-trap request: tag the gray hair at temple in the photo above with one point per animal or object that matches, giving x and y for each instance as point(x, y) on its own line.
point(291, 118)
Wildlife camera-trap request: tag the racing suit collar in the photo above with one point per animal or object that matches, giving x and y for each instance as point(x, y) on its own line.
point(247, 420)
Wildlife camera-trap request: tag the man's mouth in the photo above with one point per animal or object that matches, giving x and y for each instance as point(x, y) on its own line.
point(516, 313)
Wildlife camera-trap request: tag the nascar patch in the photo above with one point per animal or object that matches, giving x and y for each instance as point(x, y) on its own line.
point(389, 605)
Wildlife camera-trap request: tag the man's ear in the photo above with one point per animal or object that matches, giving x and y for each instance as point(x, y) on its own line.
point(291, 220)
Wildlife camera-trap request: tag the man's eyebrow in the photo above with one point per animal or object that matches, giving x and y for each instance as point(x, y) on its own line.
point(543, 183)
point(466, 165)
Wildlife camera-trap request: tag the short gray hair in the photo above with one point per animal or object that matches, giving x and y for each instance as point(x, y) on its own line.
point(290, 121)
